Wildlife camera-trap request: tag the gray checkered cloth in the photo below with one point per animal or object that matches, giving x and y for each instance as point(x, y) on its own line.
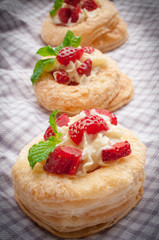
point(22, 118)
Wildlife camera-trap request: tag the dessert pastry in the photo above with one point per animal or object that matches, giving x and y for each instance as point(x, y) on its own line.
point(71, 78)
point(96, 21)
point(86, 172)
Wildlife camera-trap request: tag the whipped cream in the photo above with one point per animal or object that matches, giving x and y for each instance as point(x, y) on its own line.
point(92, 144)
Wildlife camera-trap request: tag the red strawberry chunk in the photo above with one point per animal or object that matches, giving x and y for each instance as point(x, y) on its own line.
point(75, 14)
point(64, 14)
point(90, 125)
point(68, 54)
point(62, 77)
point(87, 112)
point(113, 118)
point(90, 5)
point(63, 120)
point(48, 133)
point(72, 2)
point(63, 160)
point(88, 49)
point(118, 150)
point(85, 68)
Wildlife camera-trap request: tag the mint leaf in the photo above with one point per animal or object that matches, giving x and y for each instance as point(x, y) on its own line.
point(39, 152)
point(53, 124)
point(71, 40)
point(40, 66)
point(57, 6)
point(57, 49)
point(46, 51)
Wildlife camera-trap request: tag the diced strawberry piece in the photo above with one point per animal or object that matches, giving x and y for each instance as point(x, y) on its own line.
point(85, 68)
point(68, 54)
point(64, 14)
point(90, 124)
point(72, 2)
point(62, 77)
point(87, 112)
point(63, 160)
point(75, 14)
point(48, 133)
point(63, 120)
point(88, 49)
point(90, 5)
point(113, 118)
point(118, 150)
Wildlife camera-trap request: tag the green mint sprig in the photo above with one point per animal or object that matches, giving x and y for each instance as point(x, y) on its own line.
point(47, 64)
point(46, 51)
point(39, 152)
point(53, 124)
point(56, 7)
point(39, 67)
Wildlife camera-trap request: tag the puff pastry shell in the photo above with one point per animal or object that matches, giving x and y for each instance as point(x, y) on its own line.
point(110, 90)
point(105, 31)
point(77, 207)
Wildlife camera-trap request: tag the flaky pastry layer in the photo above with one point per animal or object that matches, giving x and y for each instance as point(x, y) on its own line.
point(105, 31)
point(79, 206)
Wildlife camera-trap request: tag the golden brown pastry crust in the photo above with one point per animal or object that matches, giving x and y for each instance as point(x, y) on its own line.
point(124, 96)
point(77, 207)
point(105, 31)
point(110, 90)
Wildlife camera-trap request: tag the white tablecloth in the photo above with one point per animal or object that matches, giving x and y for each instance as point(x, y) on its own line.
point(22, 118)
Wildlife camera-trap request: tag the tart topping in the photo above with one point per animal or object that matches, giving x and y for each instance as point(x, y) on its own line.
point(62, 77)
point(90, 5)
point(68, 54)
point(68, 11)
point(85, 68)
point(118, 150)
point(64, 14)
point(45, 65)
point(63, 160)
point(100, 140)
point(90, 125)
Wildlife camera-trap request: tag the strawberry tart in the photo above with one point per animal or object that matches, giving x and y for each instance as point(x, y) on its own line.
point(82, 175)
point(97, 21)
point(71, 78)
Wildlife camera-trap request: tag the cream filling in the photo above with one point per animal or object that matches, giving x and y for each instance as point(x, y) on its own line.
point(92, 145)
point(97, 59)
point(83, 15)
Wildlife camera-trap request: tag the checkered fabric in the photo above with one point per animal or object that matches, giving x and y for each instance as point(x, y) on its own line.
point(22, 118)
